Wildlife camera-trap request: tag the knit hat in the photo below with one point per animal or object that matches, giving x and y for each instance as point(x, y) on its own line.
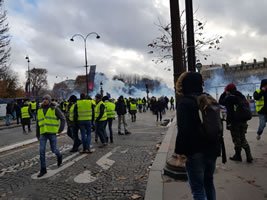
point(47, 97)
point(72, 98)
point(98, 96)
point(230, 88)
point(105, 98)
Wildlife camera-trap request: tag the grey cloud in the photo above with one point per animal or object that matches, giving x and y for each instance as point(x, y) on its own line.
point(236, 14)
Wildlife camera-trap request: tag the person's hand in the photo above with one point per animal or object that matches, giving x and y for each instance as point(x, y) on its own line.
point(263, 88)
point(38, 138)
point(181, 158)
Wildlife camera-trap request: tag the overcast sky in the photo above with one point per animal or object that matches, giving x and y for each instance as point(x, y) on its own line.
point(42, 30)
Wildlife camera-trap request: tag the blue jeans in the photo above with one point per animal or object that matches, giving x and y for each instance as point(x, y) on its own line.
point(85, 128)
point(262, 123)
point(200, 169)
point(53, 145)
point(8, 119)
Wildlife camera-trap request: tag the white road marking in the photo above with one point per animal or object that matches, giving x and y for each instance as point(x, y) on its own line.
point(85, 177)
point(55, 171)
point(104, 162)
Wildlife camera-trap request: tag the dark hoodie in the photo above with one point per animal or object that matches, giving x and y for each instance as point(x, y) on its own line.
point(229, 101)
point(120, 106)
point(59, 115)
point(189, 140)
point(263, 93)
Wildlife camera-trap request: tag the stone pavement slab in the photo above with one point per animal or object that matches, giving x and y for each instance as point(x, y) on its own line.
point(233, 180)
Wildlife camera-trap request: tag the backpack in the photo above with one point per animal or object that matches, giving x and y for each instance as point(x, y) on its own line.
point(242, 110)
point(210, 116)
point(211, 127)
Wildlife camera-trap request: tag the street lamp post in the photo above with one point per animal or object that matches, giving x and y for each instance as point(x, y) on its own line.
point(101, 89)
point(147, 91)
point(85, 52)
point(28, 60)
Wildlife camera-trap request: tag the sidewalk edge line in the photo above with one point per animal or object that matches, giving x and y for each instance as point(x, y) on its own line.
point(155, 185)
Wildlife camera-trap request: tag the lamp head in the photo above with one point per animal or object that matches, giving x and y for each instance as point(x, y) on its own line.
point(27, 58)
point(71, 39)
point(97, 37)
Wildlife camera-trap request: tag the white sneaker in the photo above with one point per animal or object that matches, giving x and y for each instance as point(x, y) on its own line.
point(258, 137)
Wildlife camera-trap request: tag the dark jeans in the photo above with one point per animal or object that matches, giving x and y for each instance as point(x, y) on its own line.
point(159, 115)
point(53, 145)
point(72, 132)
point(109, 123)
point(100, 131)
point(85, 128)
point(18, 118)
point(200, 169)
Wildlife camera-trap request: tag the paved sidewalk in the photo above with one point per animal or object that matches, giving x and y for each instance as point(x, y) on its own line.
point(233, 180)
point(13, 124)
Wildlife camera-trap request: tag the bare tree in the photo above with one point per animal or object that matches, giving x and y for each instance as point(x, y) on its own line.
point(38, 78)
point(60, 90)
point(4, 41)
point(162, 45)
point(9, 84)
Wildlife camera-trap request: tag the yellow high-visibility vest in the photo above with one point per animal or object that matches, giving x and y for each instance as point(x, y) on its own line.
point(34, 104)
point(133, 106)
point(71, 112)
point(48, 123)
point(25, 112)
point(84, 109)
point(110, 109)
point(260, 102)
point(97, 112)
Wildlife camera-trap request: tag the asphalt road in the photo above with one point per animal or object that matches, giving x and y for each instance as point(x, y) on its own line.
point(118, 171)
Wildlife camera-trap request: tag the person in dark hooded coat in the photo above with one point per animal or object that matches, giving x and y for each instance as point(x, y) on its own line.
point(230, 98)
point(200, 162)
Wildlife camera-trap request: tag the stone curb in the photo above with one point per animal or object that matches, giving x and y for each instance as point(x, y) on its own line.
point(155, 184)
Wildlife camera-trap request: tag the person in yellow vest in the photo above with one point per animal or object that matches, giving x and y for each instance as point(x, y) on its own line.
point(50, 121)
point(83, 116)
point(260, 95)
point(140, 104)
point(34, 109)
point(133, 109)
point(100, 119)
point(26, 117)
point(73, 128)
point(110, 108)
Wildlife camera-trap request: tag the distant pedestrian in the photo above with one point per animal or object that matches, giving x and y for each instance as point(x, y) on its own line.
point(50, 121)
point(83, 116)
point(73, 128)
point(172, 103)
point(9, 112)
point(133, 109)
point(110, 109)
point(17, 107)
point(121, 111)
point(159, 108)
point(100, 120)
point(260, 95)
point(26, 115)
point(231, 98)
point(200, 162)
point(34, 109)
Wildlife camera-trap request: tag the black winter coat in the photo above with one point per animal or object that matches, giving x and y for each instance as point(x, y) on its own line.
point(120, 107)
point(189, 140)
point(229, 101)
